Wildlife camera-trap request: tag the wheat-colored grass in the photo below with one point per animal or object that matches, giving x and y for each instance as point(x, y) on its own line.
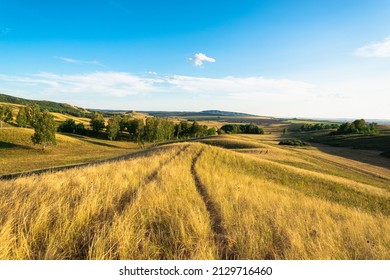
point(150, 207)
point(272, 218)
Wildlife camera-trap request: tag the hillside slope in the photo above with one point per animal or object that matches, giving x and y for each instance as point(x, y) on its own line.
point(195, 201)
point(46, 105)
point(17, 153)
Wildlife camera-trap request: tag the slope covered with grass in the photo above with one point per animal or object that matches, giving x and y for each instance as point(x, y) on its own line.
point(17, 153)
point(46, 105)
point(195, 201)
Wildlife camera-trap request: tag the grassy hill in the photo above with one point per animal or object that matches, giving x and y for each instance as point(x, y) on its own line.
point(17, 153)
point(47, 105)
point(251, 199)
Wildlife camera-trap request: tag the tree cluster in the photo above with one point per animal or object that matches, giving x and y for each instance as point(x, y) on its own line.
point(241, 128)
point(70, 126)
point(186, 129)
point(318, 126)
point(358, 127)
point(97, 122)
point(152, 129)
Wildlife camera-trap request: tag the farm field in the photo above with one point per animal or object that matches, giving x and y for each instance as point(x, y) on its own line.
point(223, 197)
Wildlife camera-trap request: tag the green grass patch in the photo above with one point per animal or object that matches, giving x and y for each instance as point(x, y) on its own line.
point(18, 154)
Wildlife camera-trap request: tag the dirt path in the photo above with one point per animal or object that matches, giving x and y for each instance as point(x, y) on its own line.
point(220, 232)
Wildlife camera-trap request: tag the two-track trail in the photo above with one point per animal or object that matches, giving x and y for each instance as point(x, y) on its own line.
point(219, 230)
point(129, 196)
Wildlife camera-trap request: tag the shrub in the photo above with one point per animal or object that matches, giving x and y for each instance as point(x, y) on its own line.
point(294, 142)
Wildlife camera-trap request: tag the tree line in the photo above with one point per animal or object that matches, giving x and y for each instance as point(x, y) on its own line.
point(151, 129)
point(318, 126)
point(125, 126)
point(357, 127)
point(241, 128)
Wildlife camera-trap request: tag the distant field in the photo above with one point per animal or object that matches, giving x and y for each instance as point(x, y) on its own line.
point(251, 199)
point(17, 153)
point(301, 121)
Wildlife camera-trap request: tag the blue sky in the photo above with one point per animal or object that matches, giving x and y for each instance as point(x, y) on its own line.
point(323, 58)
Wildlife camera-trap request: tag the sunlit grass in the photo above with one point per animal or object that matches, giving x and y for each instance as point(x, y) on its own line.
point(149, 207)
point(17, 153)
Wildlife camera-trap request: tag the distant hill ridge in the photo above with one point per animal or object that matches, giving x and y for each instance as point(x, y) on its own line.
point(47, 105)
point(81, 112)
point(201, 113)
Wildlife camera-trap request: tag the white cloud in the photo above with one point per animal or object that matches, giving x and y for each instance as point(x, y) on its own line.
point(199, 58)
point(124, 84)
point(99, 83)
point(238, 87)
point(376, 49)
point(151, 73)
point(77, 61)
point(367, 98)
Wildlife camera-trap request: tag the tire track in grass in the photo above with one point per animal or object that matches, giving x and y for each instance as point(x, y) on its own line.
point(220, 232)
point(130, 196)
point(85, 242)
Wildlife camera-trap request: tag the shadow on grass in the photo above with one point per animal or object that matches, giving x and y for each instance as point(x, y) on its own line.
point(88, 140)
point(360, 148)
point(7, 145)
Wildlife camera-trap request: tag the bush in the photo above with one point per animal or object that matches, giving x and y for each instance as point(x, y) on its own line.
point(294, 142)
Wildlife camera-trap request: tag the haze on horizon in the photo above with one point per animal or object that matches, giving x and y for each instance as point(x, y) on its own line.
point(312, 59)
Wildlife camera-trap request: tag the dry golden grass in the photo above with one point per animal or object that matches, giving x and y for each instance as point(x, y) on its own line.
point(274, 218)
point(194, 201)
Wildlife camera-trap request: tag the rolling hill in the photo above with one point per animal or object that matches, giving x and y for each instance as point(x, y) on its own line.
point(47, 105)
point(229, 197)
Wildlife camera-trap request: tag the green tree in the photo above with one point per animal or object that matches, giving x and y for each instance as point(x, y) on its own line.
point(196, 129)
point(135, 128)
point(231, 128)
point(44, 130)
point(124, 122)
point(5, 115)
point(373, 128)
point(211, 131)
point(360, 125)
point(113, 127)
point(97, 122)
point(80, 129)
point(32, 113)
point(21, 118)
point(158, 129)
point(68, 126)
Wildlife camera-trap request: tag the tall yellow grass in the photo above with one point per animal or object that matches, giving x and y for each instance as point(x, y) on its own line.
point(150, 207)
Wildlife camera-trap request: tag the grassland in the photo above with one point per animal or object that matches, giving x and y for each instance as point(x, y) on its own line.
point(17, 153)
point(231, 197)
